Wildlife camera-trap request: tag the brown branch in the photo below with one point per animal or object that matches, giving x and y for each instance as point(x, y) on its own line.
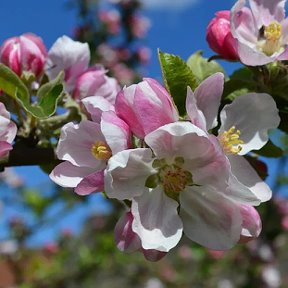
point(25, 156)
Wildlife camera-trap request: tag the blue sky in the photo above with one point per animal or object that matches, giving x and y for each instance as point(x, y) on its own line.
point(178, 26)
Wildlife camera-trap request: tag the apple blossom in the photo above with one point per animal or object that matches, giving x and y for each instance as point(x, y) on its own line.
point(179, 184)
point(219, 37)
point(8, 131)
point(145, 107)
point(85, 149)
point(24, 54)
point(261, 31)
point(94, 82)
point(244, 127)
point(71, 56)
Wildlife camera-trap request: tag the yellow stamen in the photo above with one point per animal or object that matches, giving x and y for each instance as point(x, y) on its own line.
point(271, 39)
point(101, 151)
point(174, 180)
point(230, 141)
point(273, 31)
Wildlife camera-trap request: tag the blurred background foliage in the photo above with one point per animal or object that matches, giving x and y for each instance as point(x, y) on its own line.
point(116, 36)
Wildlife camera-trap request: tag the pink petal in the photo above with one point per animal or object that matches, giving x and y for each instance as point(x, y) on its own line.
point(267, 11)
point(92, 183)
point(208, 96)
point(68, 175)
point(126, 239)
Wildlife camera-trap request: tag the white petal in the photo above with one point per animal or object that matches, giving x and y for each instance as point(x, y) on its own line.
point(195, 114)
point(252, 57)
point(67, 175)
point(209, 218)
point(241, 193)
point(156, 220)
point(76, 142)
point(246, 175)
point(127, 172)
point(243, 26)
point(253, 114)
point(115, 131)
point(208, 96)
point(178, 139)
point(267, 11)
point(95, 105)
point(71, 56)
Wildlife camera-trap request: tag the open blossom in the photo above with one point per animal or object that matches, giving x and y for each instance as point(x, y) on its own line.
point(261, 31)
point(8, 131)
point(145, 107)
point(219, 37)
point(24, 54)
point(85, 149)
point(244, 127)
point(179, 184)
point(94, 82)
point(71, 56)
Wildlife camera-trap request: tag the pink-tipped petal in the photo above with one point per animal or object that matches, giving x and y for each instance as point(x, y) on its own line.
point(208, 96)
point(156, 220)
point(93, 182)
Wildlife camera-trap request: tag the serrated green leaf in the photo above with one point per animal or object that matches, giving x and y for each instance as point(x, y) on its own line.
point(270, 150)
point(201, 67)
point(177, 77)
point(47, 96)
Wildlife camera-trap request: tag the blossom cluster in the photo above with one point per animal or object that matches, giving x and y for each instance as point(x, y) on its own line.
point(173, 175)
point(176, 174)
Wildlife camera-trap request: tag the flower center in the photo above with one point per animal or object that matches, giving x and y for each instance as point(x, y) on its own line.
point(273, 31)
point(172, 177)
point(230, 141)
point(270, 38)
point(101, 151)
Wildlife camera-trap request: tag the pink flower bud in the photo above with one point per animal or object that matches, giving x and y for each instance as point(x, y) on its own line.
point(26, 53)
point(145, 107)
point(219, 37)
point(94, 82)
point(8, 130)
point(251, 225)
point(128, 241)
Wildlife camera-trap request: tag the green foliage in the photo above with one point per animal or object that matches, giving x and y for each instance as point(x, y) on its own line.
point(202, 67)
point(47, 96)
point(177, 77)
point(240, 82)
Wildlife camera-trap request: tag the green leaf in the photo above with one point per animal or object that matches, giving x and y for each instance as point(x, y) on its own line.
point(201, 67)
point(11, 84)
point(240, 82)
point(270, 150)
point(47, 95)
point(177, 76)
